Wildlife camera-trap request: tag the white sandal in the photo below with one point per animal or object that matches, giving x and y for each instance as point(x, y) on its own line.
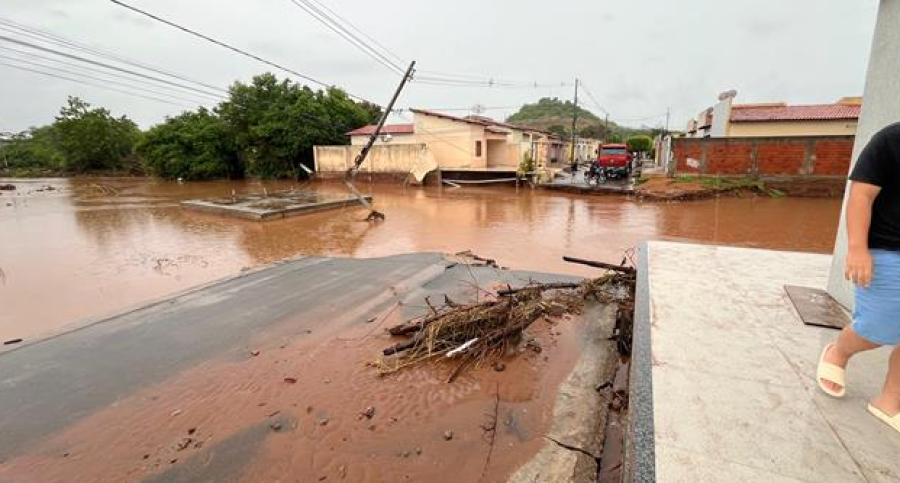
point(832, 373)
point(893, 422)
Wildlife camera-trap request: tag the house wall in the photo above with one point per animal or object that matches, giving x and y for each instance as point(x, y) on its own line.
point(395, 139)
point(452, 142)
point(764, 156)
point(391, 158)
point(792, 128)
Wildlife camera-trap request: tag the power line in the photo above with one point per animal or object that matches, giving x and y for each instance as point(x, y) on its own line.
point(336, 27)
point(357, 29)
point(98, 63)
point(32, 55)
point(593, 99)
point(92, 84)
point(234, 49)
point(58, 40)
point(100, 79)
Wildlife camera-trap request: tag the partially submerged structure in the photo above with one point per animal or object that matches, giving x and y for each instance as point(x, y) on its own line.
point(273, 206)
point(469, 147)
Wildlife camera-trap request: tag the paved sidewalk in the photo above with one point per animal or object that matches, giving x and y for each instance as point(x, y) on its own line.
point(733, 375)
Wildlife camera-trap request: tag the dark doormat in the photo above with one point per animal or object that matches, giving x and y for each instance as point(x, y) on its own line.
point(817, 307)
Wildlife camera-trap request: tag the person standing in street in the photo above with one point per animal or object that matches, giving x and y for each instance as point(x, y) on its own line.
point(873, 265)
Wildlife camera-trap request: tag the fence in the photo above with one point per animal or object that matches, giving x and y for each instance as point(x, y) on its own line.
point(806, 156)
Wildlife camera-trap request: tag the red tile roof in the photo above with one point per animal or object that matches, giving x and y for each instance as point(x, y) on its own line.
point(386, 129)
point(817, 112)
point(478, 120)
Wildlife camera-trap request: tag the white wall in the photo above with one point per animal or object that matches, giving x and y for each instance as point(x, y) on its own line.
point(881, 107)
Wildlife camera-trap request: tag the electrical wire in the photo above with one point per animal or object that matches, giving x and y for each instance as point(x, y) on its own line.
point(97, 63)
point(32, 55)
point(100, 79)
point(60, 41)
point(92, 84)
point(235, 49)
point(336, 27)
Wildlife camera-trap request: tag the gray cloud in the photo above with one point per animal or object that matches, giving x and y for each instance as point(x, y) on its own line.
point(638, 57)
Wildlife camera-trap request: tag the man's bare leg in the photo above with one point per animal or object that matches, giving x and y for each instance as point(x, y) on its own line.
point(847, 345)
point(889, 400)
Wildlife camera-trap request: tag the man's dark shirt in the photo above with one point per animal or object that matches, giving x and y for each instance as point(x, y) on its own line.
point(879, 165)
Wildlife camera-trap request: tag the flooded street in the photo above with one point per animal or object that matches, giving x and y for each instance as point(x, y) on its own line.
point(88, 247)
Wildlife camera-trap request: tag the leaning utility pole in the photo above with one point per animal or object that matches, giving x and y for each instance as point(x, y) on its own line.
point(351, 173)
point(575, 128)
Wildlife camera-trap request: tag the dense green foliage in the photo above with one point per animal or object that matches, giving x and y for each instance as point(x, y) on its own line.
point(93, 140)
point(640, 143)
point(81, 140)
point(551, 108)
point(266, 128)
point(275, 124)
point(31, 153)
point(192, 146)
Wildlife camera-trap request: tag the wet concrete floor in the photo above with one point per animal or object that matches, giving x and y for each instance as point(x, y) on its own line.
point(95, 245)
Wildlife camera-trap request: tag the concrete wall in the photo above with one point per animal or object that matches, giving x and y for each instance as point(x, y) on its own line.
point(881, 108)
point(399, 158)
point(765, 156)
point(395, 139)
point(792, 128)
point(452, 142)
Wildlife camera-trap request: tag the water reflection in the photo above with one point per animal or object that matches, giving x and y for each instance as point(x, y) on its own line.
point(91, 246)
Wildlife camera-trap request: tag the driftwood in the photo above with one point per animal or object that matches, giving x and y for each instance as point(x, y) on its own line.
point(543, 286)
point(491, 325)
point(606, 266)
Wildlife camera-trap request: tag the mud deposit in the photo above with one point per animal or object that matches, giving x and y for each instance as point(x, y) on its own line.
point(311, 408)
point(77, 249)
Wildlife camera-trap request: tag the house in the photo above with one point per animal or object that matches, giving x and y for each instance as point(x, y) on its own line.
point(777, 119)
point(390, 134)
point(467, 147)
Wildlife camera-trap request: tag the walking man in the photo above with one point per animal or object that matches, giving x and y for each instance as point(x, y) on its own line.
point(873, 265)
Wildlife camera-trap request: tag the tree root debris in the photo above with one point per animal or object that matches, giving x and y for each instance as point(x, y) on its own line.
point(474, 333)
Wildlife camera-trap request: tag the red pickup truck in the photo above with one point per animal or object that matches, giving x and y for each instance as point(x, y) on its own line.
point(614, 161)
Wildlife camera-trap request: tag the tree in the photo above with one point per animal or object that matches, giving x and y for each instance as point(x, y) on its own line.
point(32, 152)
point(640, 143)
point(192, 146)
point(91, 139)
point(275, 124)
point(559, 130)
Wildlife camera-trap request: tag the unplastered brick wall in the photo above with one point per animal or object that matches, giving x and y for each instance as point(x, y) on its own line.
point(764, 156)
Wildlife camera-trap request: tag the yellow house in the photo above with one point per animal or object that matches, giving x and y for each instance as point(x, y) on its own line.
point(777, 119)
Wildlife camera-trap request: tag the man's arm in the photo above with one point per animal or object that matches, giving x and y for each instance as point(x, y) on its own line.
point(859, 266)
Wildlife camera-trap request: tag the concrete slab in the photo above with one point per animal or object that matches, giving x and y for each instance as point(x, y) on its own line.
point(732, 367)
point(273, 206)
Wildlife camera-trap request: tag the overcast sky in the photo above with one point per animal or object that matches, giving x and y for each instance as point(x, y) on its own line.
point(637, 57)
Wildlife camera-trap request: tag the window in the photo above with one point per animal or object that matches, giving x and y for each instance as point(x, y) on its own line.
point(477, 149)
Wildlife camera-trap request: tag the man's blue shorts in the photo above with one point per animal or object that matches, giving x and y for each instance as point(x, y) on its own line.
point(876, 317)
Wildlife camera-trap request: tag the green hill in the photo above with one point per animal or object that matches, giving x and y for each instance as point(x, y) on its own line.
point(555, 116)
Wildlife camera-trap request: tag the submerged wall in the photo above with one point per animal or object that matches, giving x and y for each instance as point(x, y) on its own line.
point(388, 159)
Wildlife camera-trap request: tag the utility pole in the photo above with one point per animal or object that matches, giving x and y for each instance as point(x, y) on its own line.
point(606, 128)
point(575, 128)
point(351, 173)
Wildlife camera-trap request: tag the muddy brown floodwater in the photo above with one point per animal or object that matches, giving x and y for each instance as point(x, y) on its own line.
point(87, 247)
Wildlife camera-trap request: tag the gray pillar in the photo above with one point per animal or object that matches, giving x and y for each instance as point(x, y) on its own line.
point(881, 106)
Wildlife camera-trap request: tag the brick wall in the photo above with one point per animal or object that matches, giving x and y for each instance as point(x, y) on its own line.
point(764, 156)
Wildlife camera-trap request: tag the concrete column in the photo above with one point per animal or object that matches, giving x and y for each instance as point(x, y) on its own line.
point(881, 107)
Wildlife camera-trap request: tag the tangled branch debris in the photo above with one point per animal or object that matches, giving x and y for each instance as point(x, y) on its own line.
point(473, 333)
